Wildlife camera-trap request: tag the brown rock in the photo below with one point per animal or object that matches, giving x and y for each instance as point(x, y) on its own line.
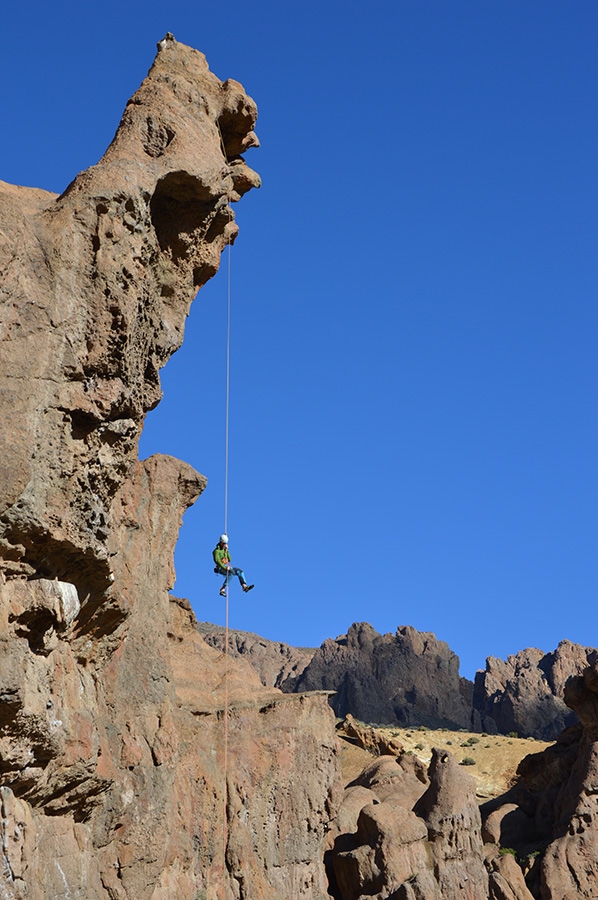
point(372, 740)
point(390, 848)
point(451, 813)
point(506, 881)
point(405, 678)
point(556, 812)
point(135, 761)
point(525, 692)
point(278, 665)
point(96, 286)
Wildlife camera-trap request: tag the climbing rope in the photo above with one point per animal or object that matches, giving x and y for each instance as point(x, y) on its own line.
point(226, 460)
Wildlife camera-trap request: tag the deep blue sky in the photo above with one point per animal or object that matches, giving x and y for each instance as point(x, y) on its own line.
point(413, 408)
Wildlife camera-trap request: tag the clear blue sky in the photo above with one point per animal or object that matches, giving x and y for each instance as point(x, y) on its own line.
point(413, 408)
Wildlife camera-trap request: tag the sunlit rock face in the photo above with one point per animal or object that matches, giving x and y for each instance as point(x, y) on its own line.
point(113, 781)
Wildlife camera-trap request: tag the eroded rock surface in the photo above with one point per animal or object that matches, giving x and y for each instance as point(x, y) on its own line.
point(550, 816)
point(525, 692)
point(278, 664)
point(405, 678)
point(409, 835)
point(116, 778)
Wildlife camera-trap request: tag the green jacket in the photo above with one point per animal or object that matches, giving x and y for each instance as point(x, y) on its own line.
point(221, 556)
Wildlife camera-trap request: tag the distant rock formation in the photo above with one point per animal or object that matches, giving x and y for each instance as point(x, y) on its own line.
point(411, 678)
point(278, 665)
point(551, 813)
point(113, 782)
point(525, 692)
point(407, 678)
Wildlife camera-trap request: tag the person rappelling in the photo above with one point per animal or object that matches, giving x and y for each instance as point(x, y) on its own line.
point(221, 555)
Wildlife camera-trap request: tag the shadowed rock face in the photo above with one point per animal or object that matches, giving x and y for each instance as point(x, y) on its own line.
point(112, 776)
point(552, 811)
point(525, 692)
point(406, 678)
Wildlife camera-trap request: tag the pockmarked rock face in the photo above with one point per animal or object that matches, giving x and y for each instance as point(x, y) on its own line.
point(95, 286)
point(525, 692)
point(116, 782)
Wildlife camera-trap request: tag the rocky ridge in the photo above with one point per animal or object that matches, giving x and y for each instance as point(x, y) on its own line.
point(113, 781)
point(277, 664)
point(525, 693)
point(411, 678)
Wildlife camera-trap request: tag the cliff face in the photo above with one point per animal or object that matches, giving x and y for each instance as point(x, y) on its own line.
point(406, 678)
point(525, 692)
point(113, 782)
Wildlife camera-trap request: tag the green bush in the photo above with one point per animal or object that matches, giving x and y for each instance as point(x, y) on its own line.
point(467, 761)
point(422, 728)
point(512, 734)
point(507, 851)
point(419, 746)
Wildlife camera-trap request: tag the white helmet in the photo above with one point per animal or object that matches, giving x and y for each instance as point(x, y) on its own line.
point(224, 538)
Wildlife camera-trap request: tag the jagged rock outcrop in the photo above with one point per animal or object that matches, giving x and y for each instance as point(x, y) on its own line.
point(408, 835)
point(371, 739)
point(278, 665)
point(113, 781)
point(405, 678)
point(550, 816)
point(525, 692)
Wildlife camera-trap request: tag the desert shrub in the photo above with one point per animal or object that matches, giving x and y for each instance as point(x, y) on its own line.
point(450, 743)
point(419, 746)
point(473, 740)
point(513, 734)
point(467, 761)
point(507, 851)
point(422, 728)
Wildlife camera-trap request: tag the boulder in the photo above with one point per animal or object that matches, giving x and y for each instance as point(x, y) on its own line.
point(370, 739)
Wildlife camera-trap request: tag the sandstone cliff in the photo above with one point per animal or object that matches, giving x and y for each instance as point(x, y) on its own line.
point(115, 780)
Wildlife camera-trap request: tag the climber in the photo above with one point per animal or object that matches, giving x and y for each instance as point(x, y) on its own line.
point(221, 557)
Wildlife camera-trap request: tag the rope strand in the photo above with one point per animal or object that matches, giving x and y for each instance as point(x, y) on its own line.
point(226, 467)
